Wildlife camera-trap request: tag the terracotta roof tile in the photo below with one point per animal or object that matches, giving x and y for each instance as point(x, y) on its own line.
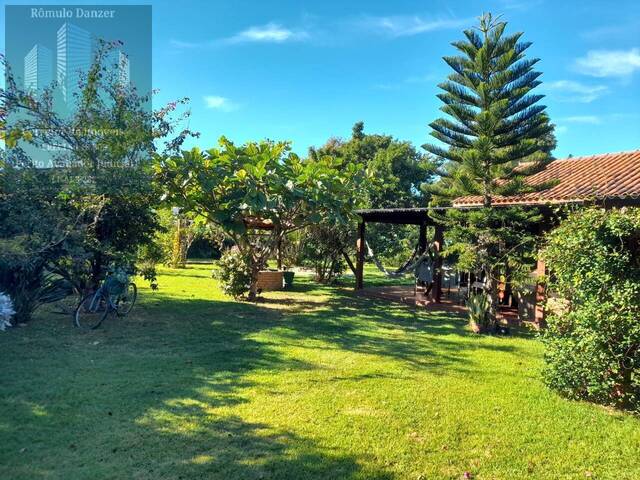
point(596, 177)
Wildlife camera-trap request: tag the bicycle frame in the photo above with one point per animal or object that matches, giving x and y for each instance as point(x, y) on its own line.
point(102, 293)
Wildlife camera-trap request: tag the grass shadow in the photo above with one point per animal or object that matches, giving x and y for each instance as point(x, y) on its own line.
point(157, 395)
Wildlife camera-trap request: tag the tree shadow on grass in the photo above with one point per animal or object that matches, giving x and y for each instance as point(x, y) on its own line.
point(229, 447)
point(438, 341)
point(150, 396)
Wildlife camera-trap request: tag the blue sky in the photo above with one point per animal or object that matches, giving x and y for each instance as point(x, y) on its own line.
point(306, 71)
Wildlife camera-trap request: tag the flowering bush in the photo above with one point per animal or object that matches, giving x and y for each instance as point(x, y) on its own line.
point(6, 311)
point(234, 273)
point(593, 342)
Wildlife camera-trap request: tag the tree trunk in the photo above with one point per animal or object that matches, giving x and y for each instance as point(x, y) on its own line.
point(349, 262)
point(189, 238)
point(332, 269)
point(622, 389)
point(253, 285)
point(279, 253)
point(486, 194)
point(492, 294)
point(96, 270)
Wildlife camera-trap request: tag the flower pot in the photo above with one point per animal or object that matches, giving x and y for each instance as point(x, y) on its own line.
point(288, 278)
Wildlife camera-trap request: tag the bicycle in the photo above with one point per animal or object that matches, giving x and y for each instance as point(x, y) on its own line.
point(116, 295)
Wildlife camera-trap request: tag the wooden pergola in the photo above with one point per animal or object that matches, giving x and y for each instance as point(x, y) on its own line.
point(402, 216)
point(607, 180)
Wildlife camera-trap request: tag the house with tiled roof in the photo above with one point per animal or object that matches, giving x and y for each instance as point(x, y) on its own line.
point(610, 179)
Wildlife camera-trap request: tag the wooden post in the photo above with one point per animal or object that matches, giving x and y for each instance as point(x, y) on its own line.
point(540, 294)
point(279, 253)
point(422, 239)
point(420, 297)
point(360, 248)
point(438, 241)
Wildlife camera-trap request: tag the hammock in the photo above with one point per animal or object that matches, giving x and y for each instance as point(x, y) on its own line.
point(409, 265)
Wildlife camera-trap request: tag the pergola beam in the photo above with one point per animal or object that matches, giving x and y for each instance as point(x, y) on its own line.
point(398, 216)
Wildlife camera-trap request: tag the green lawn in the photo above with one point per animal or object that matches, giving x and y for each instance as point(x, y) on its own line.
point(313, 383)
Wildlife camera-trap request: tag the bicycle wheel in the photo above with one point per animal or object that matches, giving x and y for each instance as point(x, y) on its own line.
point(127, 300)
point(92, 311)
point(67, 305)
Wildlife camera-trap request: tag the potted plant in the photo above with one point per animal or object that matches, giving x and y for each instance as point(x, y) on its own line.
point(479, 318)
point(288, 278)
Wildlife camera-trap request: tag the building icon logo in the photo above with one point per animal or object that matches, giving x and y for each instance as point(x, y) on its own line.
point(75, 50)
point(38, 68)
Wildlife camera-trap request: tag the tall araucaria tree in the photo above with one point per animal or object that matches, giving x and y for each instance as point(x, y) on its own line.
point(496, 134)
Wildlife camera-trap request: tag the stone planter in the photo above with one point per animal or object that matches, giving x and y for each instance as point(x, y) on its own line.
point(270, 280)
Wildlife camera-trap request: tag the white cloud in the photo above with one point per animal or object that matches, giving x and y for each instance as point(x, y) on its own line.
point(577, 92)
point(609, 118)
point(387, 86)
point(220, 103)
point(407, 25)
point(588, 119)
point(609, 63)
point(269, 33)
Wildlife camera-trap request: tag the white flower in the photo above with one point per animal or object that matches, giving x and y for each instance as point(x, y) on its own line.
point(6, 311)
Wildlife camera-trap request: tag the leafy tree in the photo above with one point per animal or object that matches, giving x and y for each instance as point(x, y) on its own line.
point(496, 135)
point(395, 172)
point(35, 233)
point(178, 233)
point(322, 247)
point(357, 132)
point(395, 169)
point(257, 193)
point(96, 205)
point(593, 335)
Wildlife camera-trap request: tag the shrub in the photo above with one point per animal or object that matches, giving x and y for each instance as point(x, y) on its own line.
point(479, 317)
point(24, 276)
point(234, 273)
point(31, 288)
point(593, 344)
point(321, 248)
